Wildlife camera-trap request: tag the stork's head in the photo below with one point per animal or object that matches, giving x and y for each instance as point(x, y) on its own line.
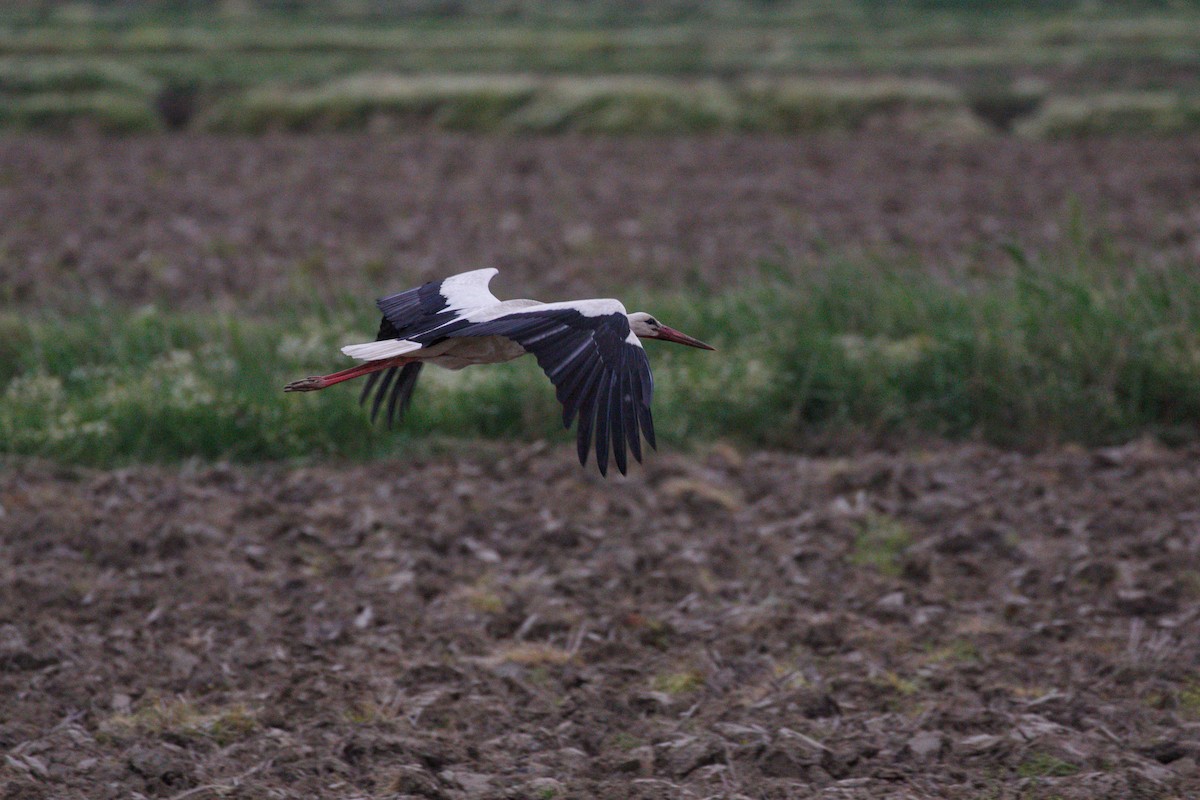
point(645, 326)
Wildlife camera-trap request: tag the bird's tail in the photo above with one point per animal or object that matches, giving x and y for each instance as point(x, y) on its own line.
point(375, 351)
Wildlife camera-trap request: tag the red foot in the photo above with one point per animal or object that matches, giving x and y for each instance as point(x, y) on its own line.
point(314, 382)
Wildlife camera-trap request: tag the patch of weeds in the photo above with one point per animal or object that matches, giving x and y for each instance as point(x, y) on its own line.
point(182, 718)
point(485, 601)
point(676, 683)
point(790, 677)
point(317, 562)
point(1156, 700)
point(1026, 692)
point(650, 632)
point(1189, 582)
point(534, 654)
point(105, 111)
point(880, 543)
point(1143, 112)
point(539, 676)
point(1189, 699)
point(1045, 765)
point(900, 684)
point(484, 596)
point(621, 740)
point(365, 713)
point(958, 651)
point(230, 725)
point(901, 693)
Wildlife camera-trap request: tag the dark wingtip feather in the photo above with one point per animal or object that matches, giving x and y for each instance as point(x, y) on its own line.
point(601, 433)
point(648, 427)
point(395, 414)
point(583, 435)
point(402, 393)
point(581, 396)
point(617, 422)
point(389, 376)
point(372, 379)
point(629, 406)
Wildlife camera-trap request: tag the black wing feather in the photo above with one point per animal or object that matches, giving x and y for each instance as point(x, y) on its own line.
point(583, 435)
point(419, 308)
point(402, 393)
point(599, 375)
point(602, 429)
point(402, 389)
point(576, 392)
point(617, 425)
point(372, 379)
point(400, 397)
point(426, 314)
point(628, 409)
point(646, 391)
point(389, 376)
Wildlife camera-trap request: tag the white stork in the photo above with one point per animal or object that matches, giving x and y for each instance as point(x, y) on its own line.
point(590, 349)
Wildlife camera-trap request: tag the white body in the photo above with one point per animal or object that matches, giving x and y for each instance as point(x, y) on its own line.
point(468, 295)
point(459, 353)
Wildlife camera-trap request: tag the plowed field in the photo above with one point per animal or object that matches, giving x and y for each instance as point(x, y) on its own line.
point(952, 623)
point(197, 220)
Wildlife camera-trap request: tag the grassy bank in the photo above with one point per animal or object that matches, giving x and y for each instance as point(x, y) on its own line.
point(1054, 350)
point(70, 96)
point(612, 105)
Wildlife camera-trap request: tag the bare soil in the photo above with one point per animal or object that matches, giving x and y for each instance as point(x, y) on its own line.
point(195, 220)
point(956, 622)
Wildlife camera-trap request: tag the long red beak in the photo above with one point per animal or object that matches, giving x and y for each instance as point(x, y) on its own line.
point(672, 335)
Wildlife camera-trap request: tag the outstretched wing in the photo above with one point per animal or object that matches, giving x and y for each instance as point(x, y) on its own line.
point(411, 313)
point(436, 303)
point(598, 367)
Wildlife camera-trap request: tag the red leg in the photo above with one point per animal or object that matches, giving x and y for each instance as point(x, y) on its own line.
point(314, 382)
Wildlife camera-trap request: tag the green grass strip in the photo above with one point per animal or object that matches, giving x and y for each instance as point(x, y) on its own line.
point(1051, 351)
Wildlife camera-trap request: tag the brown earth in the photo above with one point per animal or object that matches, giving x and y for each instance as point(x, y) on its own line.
point(194, 220)
point(958, 622)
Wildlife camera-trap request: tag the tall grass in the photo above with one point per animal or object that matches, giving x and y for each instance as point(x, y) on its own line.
point(65, 75)
point(111, 100)
point(453, 102)
point(1128, 113)
point(57, 94)
point(1045, 353)
point(54, 112)
point(808, 104)
point(1051, 351)
point(595, 105)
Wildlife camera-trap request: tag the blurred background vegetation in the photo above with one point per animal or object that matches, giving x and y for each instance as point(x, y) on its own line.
point(1042, 69)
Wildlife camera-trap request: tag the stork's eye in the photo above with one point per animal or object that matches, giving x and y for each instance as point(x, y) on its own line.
point(652, 322)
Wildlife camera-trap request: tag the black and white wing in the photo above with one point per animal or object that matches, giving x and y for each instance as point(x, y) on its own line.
point(597, 365)
point(412, 313)
point(436, 303)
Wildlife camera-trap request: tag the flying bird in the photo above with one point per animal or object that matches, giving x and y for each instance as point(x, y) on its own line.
point(590, 349)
